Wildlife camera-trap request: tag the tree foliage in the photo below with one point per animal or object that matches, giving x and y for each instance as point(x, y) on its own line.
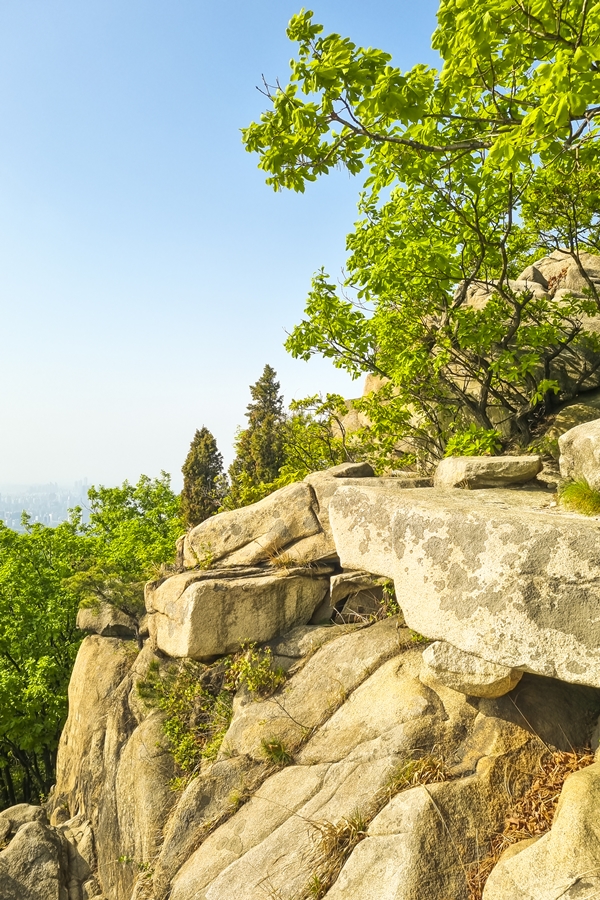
point(204, 482)
point(469, 173)
point(259, 452)
point(45, 574)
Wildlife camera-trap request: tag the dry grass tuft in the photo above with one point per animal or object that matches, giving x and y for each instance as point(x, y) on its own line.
point(427, 769)
point(533, 814)
point(336, 841)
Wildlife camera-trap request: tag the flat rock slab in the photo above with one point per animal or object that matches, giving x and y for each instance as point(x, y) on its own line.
point(486, 471)
point(495, 573)
point(467, 673)
point(191, 615)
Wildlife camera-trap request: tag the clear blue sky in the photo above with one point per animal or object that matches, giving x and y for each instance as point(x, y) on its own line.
point(147, 273)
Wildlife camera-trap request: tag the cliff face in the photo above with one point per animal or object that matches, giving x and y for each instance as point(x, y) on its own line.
point(384, 765)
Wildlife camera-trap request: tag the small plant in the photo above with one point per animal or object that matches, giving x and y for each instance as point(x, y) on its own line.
point(417, 638)
point(579, 497)
point(336, 841)
point(474, 441)
point(253, 667)
point(276, 752)
point(205, 558)
point(428, 769)
point(198, 707)
point(389, 604)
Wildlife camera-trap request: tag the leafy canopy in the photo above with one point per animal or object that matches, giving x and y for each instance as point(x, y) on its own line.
point(45, 573)
point(469, 173)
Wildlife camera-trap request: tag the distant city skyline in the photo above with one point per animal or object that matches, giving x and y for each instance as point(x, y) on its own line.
point(46, 503)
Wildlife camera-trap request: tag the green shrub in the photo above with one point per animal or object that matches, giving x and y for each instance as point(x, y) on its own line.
point(198, 705)
point(253, 667)
point(474, 441)
point(579, 497)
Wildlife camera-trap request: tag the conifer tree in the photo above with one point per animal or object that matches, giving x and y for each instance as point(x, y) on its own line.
point(203, 479)
point(260, 451)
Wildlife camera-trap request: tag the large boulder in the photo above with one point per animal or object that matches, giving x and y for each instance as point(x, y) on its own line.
point(565, 862)
point(252, 534)
point(486, 471)
point(467, 673)
point(205, 614)
point(580, 453)
point(35, 865)
point(495, 573)
point(106, 620)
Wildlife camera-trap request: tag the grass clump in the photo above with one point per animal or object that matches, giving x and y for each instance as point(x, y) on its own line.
point(198, 704)
point(253, 667)
point(336, 841)
point(533, 814)
point(276, 752)
point(428, 769)
point(578, 496)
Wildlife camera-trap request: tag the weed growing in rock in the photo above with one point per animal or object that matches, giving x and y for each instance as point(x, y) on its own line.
point(533, 814)
point(389, 604)
point(336, 841)
point(579, 497)
point(253, 667)
point(198, 705)
point(417, 638)
point(409, 773)
point(276, 752)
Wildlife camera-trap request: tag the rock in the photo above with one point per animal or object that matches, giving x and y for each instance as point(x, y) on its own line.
point(34, 865)
point(348, 470)
point(106, 620)
point(113, 770)
point(491, 572)
point(198, 616)
point(307, 699)
point(21, 814)
point(486, 471)
point(469, 674)
point(571, 416)
point(208, 799)
point(565, 862)
point(244, 537)
point(559, 271)
point(356, 596)
point(580, 453)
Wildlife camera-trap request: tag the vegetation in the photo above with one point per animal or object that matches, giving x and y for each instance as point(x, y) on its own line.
point(197, 700)
point(280, 447)
point(533, 813)
point(259, 447)
point(45, 573)
point(579, 497)
point(198, 704)
point(469, 174)
point(204, 480)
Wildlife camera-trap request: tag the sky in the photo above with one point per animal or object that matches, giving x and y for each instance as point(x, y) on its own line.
point(147, 273)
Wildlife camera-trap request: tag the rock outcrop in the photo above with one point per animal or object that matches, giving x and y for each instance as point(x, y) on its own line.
point(377, 764)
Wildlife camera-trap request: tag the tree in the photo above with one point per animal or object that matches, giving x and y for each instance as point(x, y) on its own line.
point(204, 481)
point(471, 173)
point(259, 447)
point(45, 574)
